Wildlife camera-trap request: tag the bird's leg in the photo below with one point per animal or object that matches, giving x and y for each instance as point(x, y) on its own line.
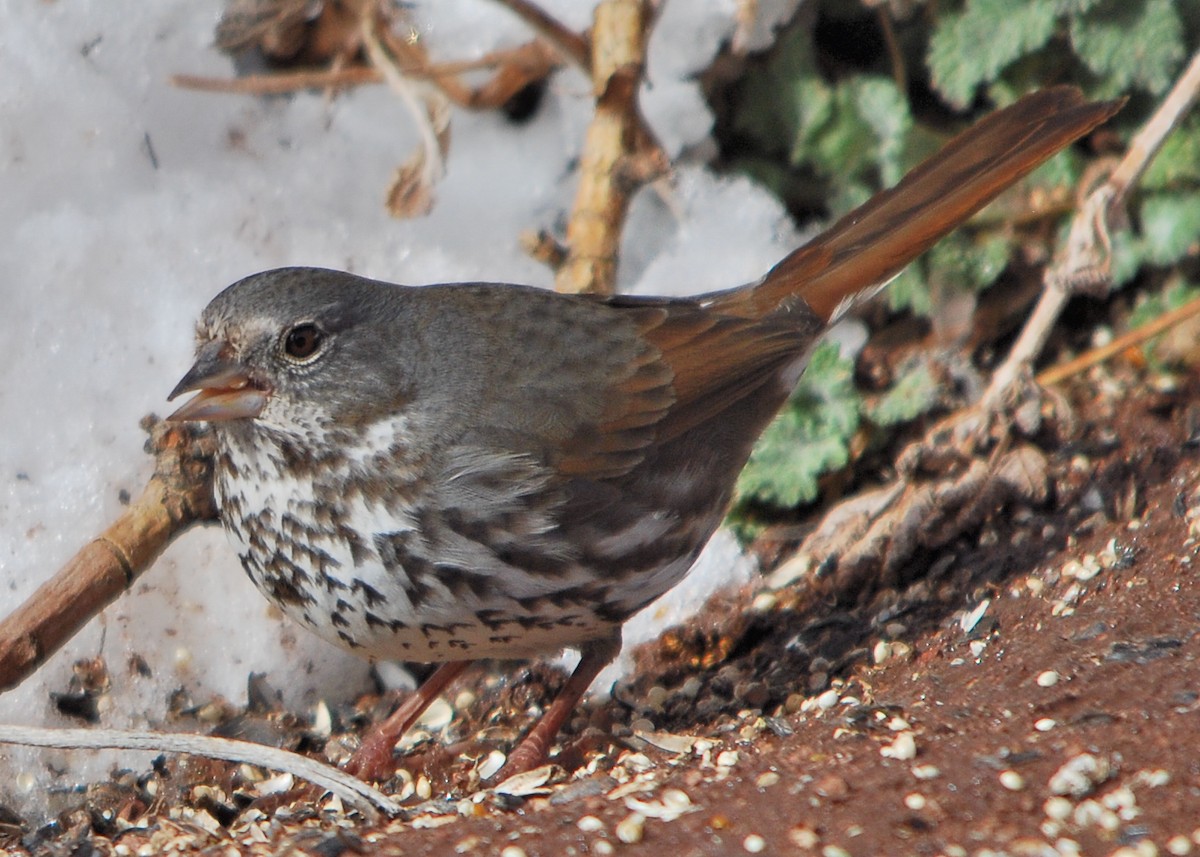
point(373, 760)
point(532, 751)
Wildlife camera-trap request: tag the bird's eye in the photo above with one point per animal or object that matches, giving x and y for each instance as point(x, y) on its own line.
point(303, 341)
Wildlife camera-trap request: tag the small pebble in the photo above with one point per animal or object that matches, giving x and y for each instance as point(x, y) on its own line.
point(513, 851)
point(977, 648)
point(1045, 724)
point(1012, 781)
point(1047, 679)
point(590, 824)
point(603, 847)
point(754, 843)
point(828, 699)
point(656, 697)
point(914, 801)
point(926, 772)
point(834, 851)
point(881, 652)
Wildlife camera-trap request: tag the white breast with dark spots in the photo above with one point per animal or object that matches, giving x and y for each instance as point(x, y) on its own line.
point(467, 562)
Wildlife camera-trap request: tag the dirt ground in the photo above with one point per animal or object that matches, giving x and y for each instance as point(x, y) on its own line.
point(1030, 689)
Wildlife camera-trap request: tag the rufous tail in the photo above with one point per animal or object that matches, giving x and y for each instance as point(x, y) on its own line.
point(865, 249)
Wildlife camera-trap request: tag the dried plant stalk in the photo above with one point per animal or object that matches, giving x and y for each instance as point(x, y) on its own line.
point(178, 495)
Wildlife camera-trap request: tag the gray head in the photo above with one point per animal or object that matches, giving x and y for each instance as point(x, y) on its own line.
point(294, 348)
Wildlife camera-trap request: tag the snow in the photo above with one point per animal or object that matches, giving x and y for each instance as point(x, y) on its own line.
point(127, 204)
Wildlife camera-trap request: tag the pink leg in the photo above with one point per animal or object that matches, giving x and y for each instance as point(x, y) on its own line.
point(373, 760)
point(533, 751)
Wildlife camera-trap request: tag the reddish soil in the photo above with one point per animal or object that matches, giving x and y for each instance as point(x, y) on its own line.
point(1061, 717)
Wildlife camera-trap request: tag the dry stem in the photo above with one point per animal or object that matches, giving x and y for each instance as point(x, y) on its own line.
point(178, 495)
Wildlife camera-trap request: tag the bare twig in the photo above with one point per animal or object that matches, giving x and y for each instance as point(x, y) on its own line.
point(178, 495)
point(1084, 262)
point(1127, 340)
point(619, 152)
point(1149, 140)
point(350, 789)
point(572, 45)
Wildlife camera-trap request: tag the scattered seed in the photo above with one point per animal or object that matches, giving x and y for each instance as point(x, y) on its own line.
point(1179, 845)
point(834, 851)
point(1080, 775)
point(902, 749)
point(437, 716)
point(603, 847)
point(322, 725)
point(898, 724)
point(914, 801)
point(491, 765)
point(764, 602)
point(766, 780)
point(1045, 724)
point(669, 742)
point(513, 851)
point(1047, 679)
point(967, 621)
point(926, 772)
point(277, 784)
point(827, 700)
point(631, 827)
point(1012, 781)
point(803, 837)
point(464, 699)
point(1153, 779)
point(727, 758)
point(754, 843)
point(1057, 808)
point(881, 652)
point(424, 789)
point(527, 784)
point(590, 824)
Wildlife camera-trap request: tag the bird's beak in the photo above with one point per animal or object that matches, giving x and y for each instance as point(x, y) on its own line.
point(227, 392)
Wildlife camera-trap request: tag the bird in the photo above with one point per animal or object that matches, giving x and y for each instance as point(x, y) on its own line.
point(451, 472)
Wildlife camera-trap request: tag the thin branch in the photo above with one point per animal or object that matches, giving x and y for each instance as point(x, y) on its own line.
point(353, 791)
point(178, 495)
point(1127, 340)
point(1149, 140)
point(1084, 261)
point(572, 45)
point(619, 152)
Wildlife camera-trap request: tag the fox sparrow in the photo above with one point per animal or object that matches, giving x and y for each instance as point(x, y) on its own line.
point(456, 472)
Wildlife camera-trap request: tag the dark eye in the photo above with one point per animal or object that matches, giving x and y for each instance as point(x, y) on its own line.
point(303, 341)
